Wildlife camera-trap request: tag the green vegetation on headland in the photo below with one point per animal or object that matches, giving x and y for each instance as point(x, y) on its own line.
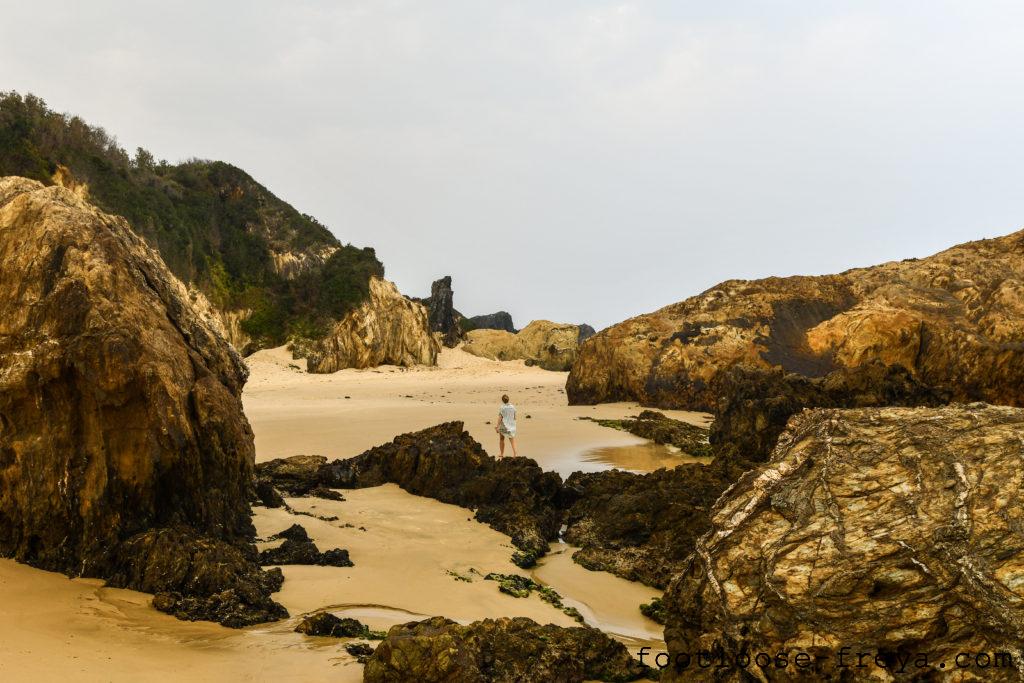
point(214, 225)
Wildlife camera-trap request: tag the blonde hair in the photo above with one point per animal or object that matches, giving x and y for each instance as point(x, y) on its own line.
point(504, 398)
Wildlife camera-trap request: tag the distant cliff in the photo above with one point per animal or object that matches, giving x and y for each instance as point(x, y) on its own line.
point(271, 272)
point(954, 321)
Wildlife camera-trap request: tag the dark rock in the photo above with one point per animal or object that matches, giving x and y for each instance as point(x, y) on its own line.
point(585, 333)
point(654, 610)
point(524, 559)
point(295, 476)
point(361, 651)
point(326, 624)
point(492, 321)
point(124, 451)
point(295, 532)
point(895, 529)
point(650, 424)
point(441, 312)
point(321, 491)
point(267, 495)
point(304, 552)
point(506, 650)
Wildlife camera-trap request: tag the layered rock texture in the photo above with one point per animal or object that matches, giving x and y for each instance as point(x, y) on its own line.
point(492, 321)
point(897, 530)
point(124, 452)
point(388, 328)
point(499, 651)
point(552, 346)
point(954, 321)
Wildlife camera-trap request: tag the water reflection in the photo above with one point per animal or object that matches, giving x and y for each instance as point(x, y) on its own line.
point(644, 457)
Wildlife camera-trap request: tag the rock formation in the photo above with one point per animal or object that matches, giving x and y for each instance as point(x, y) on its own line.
point(327, 625)
point(659, 428)
point(550, 345)
point(293, 551)
point(512, 495)
point(386, 329)
point(492, 321)
point(954, 320)
point(124, 452)
point(505, 650)
point(445, 321)
point(891, 530)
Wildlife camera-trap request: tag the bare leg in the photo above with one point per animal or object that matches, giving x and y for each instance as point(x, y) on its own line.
point(501, 446)
point(512, 440)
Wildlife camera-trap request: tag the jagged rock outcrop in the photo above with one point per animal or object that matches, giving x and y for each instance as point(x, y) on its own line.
point(512, 495)
point(328, 625)
point(505, 650)
point(305, 551)
point(124, 452)
point(445, 321)
point(890, 530)
point(954, 320)
point(550, 345)
point(386, 329)
point(492, 321)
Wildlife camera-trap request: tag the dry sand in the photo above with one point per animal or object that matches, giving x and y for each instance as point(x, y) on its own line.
point(408, 553)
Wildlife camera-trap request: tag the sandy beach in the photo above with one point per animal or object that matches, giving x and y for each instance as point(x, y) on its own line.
point(414, 557)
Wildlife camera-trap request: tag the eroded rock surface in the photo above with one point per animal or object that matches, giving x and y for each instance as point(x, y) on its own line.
point(954, 320)
point(898, 530)
point(501, 320)
point(388, 328)
point(659, 428)
point(445, 321)
point(124, 452)
point(505, 650)
point(552, 346)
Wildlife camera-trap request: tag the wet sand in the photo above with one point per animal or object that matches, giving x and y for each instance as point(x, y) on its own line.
point(407, 559)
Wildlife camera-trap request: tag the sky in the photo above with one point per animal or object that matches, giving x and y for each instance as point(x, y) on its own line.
point(572, 161)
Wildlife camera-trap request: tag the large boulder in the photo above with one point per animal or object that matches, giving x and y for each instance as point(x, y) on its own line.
point(387, 329)
point(954, 320)
point(505, 650)
point(124, 452)
point(894, 531)
point(501, 320)
point(552, 346)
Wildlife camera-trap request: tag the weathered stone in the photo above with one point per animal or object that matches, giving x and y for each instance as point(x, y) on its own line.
point(326, 624)
point(492, 321)
point(304, 552)
point(295, 532)
point(444, 320)
point(386, 329)
point(267, 495)
point(124, 452)
point(954, 320)
point(890, 530)
point(505, 650)
point(543, 343)
point(361, 651)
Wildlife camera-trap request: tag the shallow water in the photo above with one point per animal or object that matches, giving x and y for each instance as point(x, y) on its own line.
point(638, 457)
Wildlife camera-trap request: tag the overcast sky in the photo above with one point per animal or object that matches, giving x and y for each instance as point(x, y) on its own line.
point(576, 161)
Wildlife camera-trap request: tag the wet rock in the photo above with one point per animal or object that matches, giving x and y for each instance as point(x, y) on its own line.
point(326, 493)
point(659, 428)
point(506, 650)
point(954, 321)
point(295, 532)
point(642, 527)
point(895, 529)
point(522, 587)
point(294, 476)
point(654, 610)
point(549, 345)
point(388, 328)
point(326, 624)
point(492, 321)
point(267, 495)
point(98, 335)
point(304, 552)
point(361, 651)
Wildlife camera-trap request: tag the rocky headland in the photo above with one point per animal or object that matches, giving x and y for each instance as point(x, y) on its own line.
point(124, 452)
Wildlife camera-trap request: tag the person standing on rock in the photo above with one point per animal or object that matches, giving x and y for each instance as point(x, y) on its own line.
point(506, 426)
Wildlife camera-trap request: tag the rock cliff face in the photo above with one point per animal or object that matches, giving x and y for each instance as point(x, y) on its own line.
point(550, 345)
point(954, 320)
point(492, 321)
point(504, 650)
point(895, 530)
point(445, 321)
point(386, 329)
point(124, 452)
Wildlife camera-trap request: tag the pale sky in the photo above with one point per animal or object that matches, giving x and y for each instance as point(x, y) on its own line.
point(576, 161)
